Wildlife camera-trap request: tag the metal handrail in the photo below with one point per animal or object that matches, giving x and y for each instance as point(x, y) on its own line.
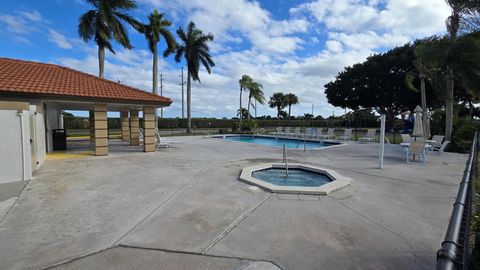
point(454, 248)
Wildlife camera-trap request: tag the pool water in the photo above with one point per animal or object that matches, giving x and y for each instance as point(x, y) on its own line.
point(296, 177)
point(277, 142)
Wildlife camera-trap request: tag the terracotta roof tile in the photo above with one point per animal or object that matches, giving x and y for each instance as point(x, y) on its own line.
point(40, 79)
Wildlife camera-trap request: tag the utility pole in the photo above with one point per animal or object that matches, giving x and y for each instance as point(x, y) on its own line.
point(312, 109)
point(183, 106)
point(161, 93)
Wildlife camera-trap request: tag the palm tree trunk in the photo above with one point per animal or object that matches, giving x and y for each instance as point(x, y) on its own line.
point(278, 112)
point(289, 110)
point(155, 80)
point(101, 62)
point(189, 102)
point(449, 109)
point(240, 111)
point(248, 108)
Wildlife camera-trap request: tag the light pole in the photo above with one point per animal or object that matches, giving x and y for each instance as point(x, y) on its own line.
point(183, 103)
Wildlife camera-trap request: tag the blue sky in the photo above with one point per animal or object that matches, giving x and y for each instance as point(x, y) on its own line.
point(287, 45)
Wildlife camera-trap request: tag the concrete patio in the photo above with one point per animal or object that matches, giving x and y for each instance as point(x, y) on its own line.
point(184, 208)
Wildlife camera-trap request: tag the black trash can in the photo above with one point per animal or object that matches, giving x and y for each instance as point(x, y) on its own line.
point(59, 140)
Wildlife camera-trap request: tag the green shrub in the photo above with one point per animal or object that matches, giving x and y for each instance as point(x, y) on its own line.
point(462, 135)
point(249, 125)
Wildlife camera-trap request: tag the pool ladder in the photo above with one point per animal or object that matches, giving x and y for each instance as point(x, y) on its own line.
point(285, 159)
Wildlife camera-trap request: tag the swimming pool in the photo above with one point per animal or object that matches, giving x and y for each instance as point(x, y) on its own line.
point(278, 142)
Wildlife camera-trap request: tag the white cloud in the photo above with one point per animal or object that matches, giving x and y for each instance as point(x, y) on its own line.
point(33, 15)
point(248, 40)
point(59, 39)
point(15, 24)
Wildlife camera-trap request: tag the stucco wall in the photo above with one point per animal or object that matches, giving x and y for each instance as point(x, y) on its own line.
point(15, 160)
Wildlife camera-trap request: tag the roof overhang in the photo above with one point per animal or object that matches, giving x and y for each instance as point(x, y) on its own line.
point(83, 103)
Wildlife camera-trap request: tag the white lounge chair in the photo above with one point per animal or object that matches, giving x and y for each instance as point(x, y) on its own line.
point(436, 141)
point(417, 148)
point(369, 137)
point(312, 134)
point(347, 135)
point(330, 134)
point(162, 142)
point(441, 150)
point(277, 131)
point(286, 131)
point(307, 132)
point(296, 132)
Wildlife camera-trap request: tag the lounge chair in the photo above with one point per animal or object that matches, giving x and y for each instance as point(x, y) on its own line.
point(308, 130)
point(369, 137)
point(330, 134)
point(441, 150)
point(296, 132)
point(286, 131)
point(347, 135)
point(436, 141)
point(162, 142)
point(310, 134)
point(406, 138)
point(417, 148)
point(277, 131)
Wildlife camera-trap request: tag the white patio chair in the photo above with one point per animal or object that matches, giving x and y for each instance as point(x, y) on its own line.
point(441, 150)
point(278, 131)
point(330, 134)
point(162, 142)
point(296, 132)
point(369, 137)
point(417, 148)
point(436, 141)
point(347, 135)
point(286, 131)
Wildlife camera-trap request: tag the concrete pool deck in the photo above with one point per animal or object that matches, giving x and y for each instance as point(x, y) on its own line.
point(186, 209)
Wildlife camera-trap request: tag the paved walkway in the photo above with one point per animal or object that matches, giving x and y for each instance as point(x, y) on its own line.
point(186, 209)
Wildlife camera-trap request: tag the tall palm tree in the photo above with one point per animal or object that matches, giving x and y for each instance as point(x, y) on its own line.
point(195, 50)
point(244, 82)
point(291, 99)
point(157, 28)
point(278, 101)
point(255, 92)
point(103, 23)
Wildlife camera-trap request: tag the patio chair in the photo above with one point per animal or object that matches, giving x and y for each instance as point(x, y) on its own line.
point(417, 148)
point(369, 137)
point(278, 131)
point(311, 134)
point(330, 134)
point(436, 141)
point(406, 138)
point(307, 132)
point(347, 135)
point(162, 142)
point(286, 131)
point(296, 132)
point(441, 150)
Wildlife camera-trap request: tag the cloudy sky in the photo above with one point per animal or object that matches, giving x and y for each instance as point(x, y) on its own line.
point(287, 45)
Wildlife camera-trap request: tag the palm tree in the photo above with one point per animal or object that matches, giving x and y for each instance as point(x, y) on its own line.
point(255, 92)
point(103, 23)
point(154, 31)
point(450, 57)
point(195, 50)
point(244, 82)
point(278, 101)
point(291, 99)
